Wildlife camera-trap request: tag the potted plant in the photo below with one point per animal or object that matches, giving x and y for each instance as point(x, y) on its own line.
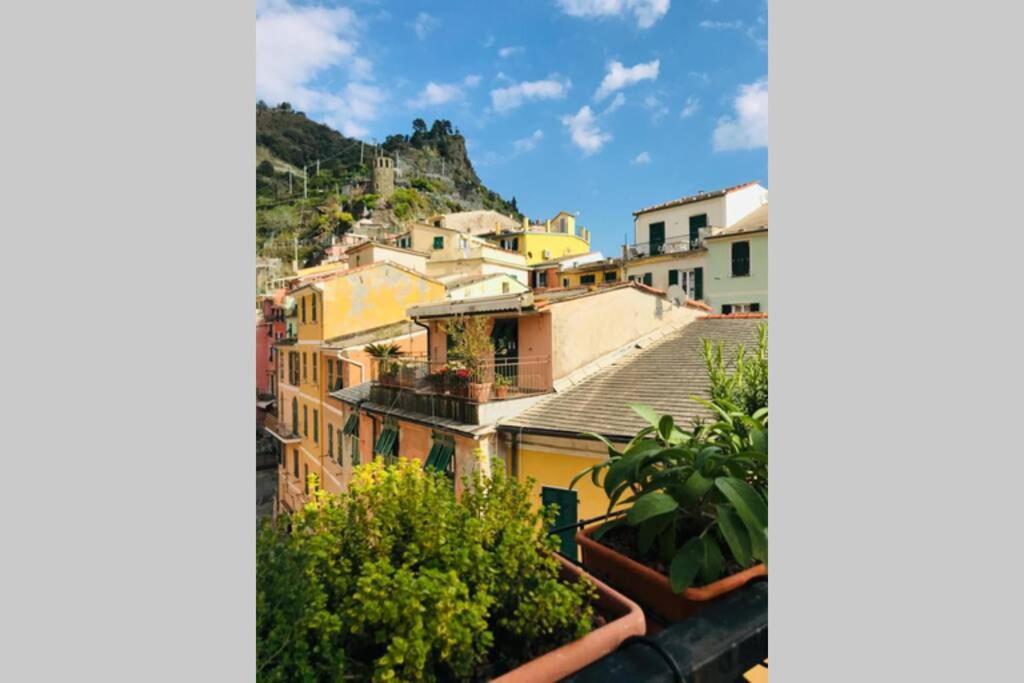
point(472, 345)
point(396, 579)
point(694, 502)
point(385, 355)
point(501, 386)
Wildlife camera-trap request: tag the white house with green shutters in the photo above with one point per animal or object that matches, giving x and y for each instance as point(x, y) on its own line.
point(736, 279)
point(671, 239)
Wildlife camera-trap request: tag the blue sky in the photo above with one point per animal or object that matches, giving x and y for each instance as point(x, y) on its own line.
point(591, 106)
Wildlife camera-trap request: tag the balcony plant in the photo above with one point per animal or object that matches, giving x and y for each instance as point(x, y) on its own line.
point(501, 385)
point(386, 356)
point(473, 346)
point(397, 580)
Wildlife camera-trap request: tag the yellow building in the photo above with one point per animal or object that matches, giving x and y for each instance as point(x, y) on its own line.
point(549, 240)
point(336, 318)
point(603, 272)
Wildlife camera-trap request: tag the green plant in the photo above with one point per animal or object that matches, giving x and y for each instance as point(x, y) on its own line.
point(502, 380)
point(386, 356)
point(745, 383)
point(696, 499)
point(397, 580)
point(471, 343)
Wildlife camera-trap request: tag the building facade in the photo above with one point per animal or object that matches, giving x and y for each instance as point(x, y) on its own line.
point(738, 266)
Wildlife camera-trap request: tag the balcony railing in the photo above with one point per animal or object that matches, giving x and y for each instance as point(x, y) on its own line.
point(672, 245)
point(499, 379)
point(277, 428)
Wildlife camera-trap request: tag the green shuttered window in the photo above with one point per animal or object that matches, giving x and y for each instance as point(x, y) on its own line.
point(351, 425)
point(698, 283)
point(387, 443)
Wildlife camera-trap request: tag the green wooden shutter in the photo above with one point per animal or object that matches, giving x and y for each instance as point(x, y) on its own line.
point(351, 425)
point(696, 223)
point(439, 242)
point(656, 238)
point(568, 504)
point(740, 258)
point(330, 441)
point(305, 421)
point(355, 450)
point(295, 460)
point(755, 308)
point(649, 279)
point(726, 309)
point(698, 283)
point(673, 277)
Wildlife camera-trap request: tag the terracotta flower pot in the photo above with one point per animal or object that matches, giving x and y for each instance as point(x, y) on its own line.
point(479, 392)
point(626, 619)
point(652, 589)
point(500, 391)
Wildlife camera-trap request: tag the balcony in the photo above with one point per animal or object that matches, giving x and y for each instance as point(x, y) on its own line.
point(672, 245)
point(279, 430)
point(500, 379)
point(291, 497)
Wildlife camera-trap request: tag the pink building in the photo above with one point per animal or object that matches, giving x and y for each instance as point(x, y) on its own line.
point(270, 326)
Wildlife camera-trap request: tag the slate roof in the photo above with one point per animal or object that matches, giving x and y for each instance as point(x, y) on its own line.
point(663, 376)
point(353, 394)
point(372, 335)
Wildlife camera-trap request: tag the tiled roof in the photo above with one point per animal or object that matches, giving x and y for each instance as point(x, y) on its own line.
point(699, 197)
point(373, 335)
point(353, 394)
point(663, 376)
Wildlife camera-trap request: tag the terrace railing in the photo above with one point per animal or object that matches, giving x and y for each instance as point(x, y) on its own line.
point(503, 378)
point(672, 245)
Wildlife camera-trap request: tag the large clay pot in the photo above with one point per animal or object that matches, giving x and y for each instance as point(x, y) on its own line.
point(626, 619)
point(652, 589)
point(479, 393)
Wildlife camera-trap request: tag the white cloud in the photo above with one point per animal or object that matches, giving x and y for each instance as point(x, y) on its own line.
point(646, 12)
point(507, 52)
point(424, 25)
point(506, 99)
point(656, 107)
point(471, 81)
point(620, 76)
point(619, 100)
point(642, 158)
point(443, 93)
point(721, 25)
point(584, 130)
point(748, 127)
point(690, 108)
point(295, 45)
point(528, 144)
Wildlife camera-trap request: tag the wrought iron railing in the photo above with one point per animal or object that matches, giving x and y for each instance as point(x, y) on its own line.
point(672, 245)
point(497, 379)
point(272, 423)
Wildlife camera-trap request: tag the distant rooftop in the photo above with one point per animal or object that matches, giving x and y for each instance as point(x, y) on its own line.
point(699, 197)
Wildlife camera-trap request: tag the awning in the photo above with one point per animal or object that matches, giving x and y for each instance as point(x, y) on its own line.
point(440, 456)
point(385, 445)
point(351, 425)
point(265, 403)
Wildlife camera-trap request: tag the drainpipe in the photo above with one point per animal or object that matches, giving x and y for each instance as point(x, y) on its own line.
point(362, 368)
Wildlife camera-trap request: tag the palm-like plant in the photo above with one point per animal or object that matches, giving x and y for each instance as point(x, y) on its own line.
point(385, 355)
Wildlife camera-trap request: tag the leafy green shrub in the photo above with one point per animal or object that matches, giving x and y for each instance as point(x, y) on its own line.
point(697, 500)
point(746, 384)
point(405, 201)
point(396, 580)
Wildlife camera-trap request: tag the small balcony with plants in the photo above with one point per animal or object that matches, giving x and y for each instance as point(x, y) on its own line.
point(680, 244)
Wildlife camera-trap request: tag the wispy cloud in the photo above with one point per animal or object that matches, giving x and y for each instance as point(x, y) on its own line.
point(585, 132)
point(656, 107)
point(619, 76)
point(646, 12)
point(690, 108)
point(721, 25)
point(295, 45)
point(434, 94)
point(752, 31)
point(641, 159)
point(701, 76)
point(424, 25)
point(529, 143)
point(617, 102)
point(507, 52)
point(513, 96)
point(747, 128)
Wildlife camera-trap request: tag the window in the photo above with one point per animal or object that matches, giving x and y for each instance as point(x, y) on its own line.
point(295, 419)
point(565, 282)
point(304, 366)
point(295, 460)
point(312, 306)
point(439, 242)
point(698, 283)
point(442, 456)
point(316, 426)
point(673, 277)
point(303, 309)
point(697, 223)
point(611, 276)
point(740, 308)
point(330, 374)
point(656, 237)
point(330, 440)
point(281, 372)
point(355, 450)
point(305, 421)
point(563, 225)
point(387, 442)
point(755, 308)
point(588, 279)
point(649, 279)
point(632, 278)
point(505, 288)
point(542, 279)
point(316, 375)
point(740, 259)
point(305, 478)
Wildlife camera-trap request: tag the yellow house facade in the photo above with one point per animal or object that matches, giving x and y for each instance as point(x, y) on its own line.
point(370, 301)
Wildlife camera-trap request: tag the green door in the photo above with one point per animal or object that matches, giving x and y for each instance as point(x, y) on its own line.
point(656, 233)
point(568, 505)
point(696, 223)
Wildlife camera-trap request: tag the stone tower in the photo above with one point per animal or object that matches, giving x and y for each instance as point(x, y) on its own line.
point(383, 177)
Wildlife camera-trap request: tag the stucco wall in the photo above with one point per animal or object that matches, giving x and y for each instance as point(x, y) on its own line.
point(659, 266)
point(720, 287)
point(677, 219)
point(492, 286)
point(740, 203)
point(534, 244)
point(587, 328)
